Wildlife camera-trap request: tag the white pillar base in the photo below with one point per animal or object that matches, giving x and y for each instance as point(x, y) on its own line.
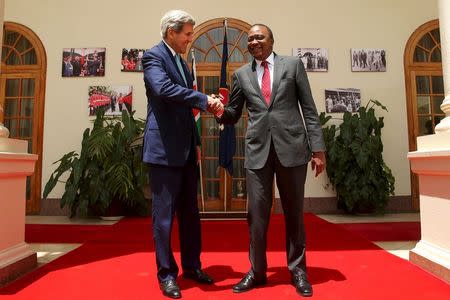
point(432, 258)
point(15, 261)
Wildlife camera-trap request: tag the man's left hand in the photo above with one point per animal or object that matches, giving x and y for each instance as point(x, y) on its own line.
point(318, 162)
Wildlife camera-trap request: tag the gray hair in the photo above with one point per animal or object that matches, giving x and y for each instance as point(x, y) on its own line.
point(175, 19)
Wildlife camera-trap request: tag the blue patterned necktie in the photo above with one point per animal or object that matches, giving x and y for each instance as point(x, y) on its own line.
point(180, 67)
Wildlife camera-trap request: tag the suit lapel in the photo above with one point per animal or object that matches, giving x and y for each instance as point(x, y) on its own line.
point(278, 67)
point(173, 68)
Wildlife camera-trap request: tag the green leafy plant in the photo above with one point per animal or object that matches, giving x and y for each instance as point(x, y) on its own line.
point(355, 165)
point(108, 171)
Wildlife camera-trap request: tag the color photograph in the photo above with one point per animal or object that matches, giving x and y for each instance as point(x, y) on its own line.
point(132, 60)
point(113, 99)
point(82, 62)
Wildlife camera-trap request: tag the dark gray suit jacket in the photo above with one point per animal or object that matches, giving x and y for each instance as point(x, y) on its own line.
point(281, 121)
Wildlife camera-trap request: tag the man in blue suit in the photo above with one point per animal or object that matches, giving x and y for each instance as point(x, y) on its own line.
point(171, 149)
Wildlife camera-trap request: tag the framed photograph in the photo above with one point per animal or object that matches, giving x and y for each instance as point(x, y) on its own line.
point(368, 60)
point(314, 59)
point(342, 100)
point(132, 60)
point(82, 62)
point(113, 99)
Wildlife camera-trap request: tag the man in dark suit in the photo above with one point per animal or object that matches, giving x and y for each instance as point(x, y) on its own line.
point(283, 135)
point(170, 142)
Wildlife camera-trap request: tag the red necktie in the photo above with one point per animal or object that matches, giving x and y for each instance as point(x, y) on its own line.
point(265, 83)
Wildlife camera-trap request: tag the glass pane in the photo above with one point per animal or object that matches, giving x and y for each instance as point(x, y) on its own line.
point(238, 168)
point(11, 124)
point(426, 42)
point(26, 127)
point(12, 87)
point(28, 188)
point(211, 84)
point(203, 42)
point(437, 84)
point(213, 57)
point(423, 105)
point(199, 56)
point(240, 126)
point(11, 108)
point(211, 189)
point(239, 189)
point(28, 87)
point(420, 55)
point(437, 101)
point(240, 151)
point(211, 127)
point(5, 51)
point(10, 37)
point(23, 44)
point(436, 35)
point(29, 58)
point(248, 56)
point(243, 41)
point(26, 109)
point(436, 55)
point(425, 125)
point(30, 146)
point(232, 35)
point(422, 85)
point(210, 147)
point(217, 35)
point(211, 168)
point(437, 119)
point(237, 56)
point(13, 59)
point(200, 84)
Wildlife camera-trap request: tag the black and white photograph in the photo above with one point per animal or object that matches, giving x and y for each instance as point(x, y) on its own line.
point(368, 60)
point(314, 59)
point(113, 99)
point(83, 62)
point(132, 60)
point(340, 100)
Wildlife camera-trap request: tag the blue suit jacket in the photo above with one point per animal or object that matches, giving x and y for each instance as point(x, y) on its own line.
point(170, 131)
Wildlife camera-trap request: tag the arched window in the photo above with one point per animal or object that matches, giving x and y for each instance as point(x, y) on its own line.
point(424, 87)
point(219, 193)
point(22, 86)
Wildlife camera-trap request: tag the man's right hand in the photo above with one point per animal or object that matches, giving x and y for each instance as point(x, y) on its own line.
point(215, 106)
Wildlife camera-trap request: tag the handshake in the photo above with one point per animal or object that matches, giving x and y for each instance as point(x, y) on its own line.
point(215, 105)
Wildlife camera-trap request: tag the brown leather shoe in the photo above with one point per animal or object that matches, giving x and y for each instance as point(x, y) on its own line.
point(170, 289)
point(302, 285)
point(197, 275)
point(247, 283)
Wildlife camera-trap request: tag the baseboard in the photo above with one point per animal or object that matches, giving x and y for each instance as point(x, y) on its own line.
point(431, 258)
point(317, 205)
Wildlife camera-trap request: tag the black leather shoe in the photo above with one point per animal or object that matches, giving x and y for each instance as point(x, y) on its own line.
point(247, 283)
point(170, 289)
point(197, 275)
point(302, 284)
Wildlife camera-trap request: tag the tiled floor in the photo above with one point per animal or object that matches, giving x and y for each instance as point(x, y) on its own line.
point(49, 252)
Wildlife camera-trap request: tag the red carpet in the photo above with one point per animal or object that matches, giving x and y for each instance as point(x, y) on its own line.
point(118, 263)
point(388, 231)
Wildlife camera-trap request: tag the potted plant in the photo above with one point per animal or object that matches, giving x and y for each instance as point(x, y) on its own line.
point(107, 177)
point(355, 165)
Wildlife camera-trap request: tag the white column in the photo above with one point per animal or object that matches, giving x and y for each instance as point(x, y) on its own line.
point(431, 162)
point(444, 24)
point(16, 257)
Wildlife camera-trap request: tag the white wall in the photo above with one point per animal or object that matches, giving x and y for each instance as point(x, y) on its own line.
point(336, 25)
